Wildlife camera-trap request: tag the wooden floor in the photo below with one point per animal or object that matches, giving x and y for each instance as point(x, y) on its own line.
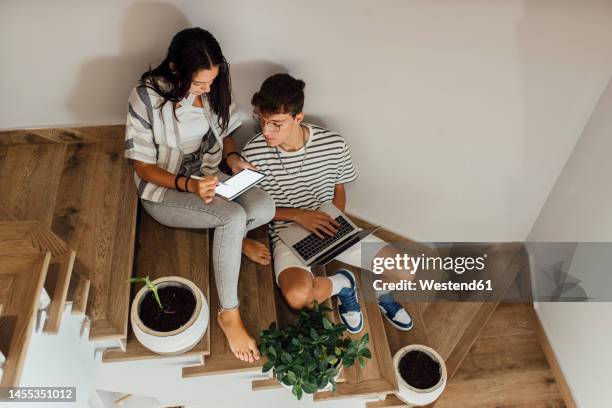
point(77, 183)
point(506, 367)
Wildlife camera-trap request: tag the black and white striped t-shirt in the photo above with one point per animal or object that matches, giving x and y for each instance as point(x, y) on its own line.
point(327, 163)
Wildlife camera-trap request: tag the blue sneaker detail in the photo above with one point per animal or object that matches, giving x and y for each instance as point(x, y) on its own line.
point(348, 305)
point(394, 312)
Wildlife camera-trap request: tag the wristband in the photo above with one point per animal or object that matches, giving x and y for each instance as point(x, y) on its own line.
point(186, 181)
point(176, 182)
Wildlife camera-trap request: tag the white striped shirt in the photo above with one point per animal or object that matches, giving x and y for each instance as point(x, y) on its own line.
point(327, 163)
point(152, 136)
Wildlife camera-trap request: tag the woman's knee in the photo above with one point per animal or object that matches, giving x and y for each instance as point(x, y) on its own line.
point(233, 214)
point(260, 208)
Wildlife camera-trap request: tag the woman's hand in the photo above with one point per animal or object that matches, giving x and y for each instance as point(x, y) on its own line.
point(204, 187)
point(318, 222)
point(236, 164)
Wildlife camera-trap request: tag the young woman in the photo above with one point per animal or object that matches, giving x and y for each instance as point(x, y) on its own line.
point(180, 117)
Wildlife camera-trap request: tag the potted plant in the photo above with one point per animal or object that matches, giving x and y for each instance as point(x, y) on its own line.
point(169, 316)
point(421, 374)
point(307, 356)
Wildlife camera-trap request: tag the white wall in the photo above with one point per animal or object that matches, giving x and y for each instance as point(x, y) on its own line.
point(459, 116)
point(578, 209)
point(75, 62)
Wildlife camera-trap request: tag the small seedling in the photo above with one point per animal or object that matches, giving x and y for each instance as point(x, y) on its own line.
point(151, 286)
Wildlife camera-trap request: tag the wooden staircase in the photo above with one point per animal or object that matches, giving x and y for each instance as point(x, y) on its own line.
point(68, 195)
point(68, 202)
point(76, 183)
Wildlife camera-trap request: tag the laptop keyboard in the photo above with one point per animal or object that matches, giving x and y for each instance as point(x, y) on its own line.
point(313, 245)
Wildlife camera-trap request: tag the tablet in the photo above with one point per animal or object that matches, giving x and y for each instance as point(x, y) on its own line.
point(238, 183)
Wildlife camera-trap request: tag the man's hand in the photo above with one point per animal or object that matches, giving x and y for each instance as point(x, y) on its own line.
point(205, 187)
point(236, 164)
point(318, 222)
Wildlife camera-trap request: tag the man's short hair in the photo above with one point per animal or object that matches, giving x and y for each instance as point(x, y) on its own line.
point(280, 93)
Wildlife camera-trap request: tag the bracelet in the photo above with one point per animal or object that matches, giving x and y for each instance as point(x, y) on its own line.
point(236, 153)
point(186, 181)
point(176, 182)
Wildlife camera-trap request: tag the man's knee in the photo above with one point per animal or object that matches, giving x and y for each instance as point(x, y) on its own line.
point(299, 297)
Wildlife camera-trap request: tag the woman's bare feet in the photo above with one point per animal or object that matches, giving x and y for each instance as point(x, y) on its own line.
point(256, 251)
point(240, 342)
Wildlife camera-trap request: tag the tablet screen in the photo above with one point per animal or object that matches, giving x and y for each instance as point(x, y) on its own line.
point(237, 184)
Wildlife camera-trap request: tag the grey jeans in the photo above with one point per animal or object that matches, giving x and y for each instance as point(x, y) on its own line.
point(231, 221)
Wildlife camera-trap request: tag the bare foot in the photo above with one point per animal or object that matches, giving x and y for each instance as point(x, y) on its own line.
point(240, 342)
point(256, 251)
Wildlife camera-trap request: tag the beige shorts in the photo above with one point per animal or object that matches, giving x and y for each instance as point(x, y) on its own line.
point(284, 258)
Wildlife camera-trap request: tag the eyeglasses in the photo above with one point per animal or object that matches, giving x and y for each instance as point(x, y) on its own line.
point(273, 126)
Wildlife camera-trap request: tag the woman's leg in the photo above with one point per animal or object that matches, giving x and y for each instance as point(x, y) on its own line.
point(259, 209)
point(186, 210)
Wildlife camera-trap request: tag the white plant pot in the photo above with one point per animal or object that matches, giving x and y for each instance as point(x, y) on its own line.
point(177, 341)
point(417, 397)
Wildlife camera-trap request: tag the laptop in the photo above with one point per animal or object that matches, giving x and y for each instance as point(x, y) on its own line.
point(312, 250)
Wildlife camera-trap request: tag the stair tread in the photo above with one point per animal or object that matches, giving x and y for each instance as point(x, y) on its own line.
point(76, 182)
point(506, 357)
point(378, 376)
point(78, 292)
point(391, 401)
point(256, 292)
point(95, 213)
point(453, 327)
point(32, 236)
point(164, 251)
point(21, 273)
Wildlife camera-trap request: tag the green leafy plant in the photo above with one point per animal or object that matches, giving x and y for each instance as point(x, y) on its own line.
point(308, 354)
point(149, 285)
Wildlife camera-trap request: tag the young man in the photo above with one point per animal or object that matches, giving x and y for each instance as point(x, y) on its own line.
point(307, 166)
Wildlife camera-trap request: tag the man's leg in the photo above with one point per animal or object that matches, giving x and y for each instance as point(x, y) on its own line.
point(392, 310)
point(301, 288)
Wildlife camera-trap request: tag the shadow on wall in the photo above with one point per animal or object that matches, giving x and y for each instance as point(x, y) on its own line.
point(247, 77)
point(146, 31)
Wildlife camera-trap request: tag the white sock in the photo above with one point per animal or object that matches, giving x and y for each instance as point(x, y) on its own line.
point(381, 292)
point(339, 281)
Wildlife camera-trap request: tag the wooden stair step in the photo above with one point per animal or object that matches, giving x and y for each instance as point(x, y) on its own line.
point(35, 170)
point(76, 182)
point(78, 292)
point(16, 235)
point(22, 274)
point(95, 213)
point(505, 367)
point(256, 294)
point(391, 401)
point(453, 327)
point(378, 376)
point(164, 251)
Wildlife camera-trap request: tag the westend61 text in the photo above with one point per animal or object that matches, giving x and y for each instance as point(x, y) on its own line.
point(433, 285)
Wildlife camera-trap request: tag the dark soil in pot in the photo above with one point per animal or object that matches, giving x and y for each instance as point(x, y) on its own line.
point(419, 370)
point(179, 304)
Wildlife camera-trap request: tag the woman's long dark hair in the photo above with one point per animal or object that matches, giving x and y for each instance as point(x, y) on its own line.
point(191, 50)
